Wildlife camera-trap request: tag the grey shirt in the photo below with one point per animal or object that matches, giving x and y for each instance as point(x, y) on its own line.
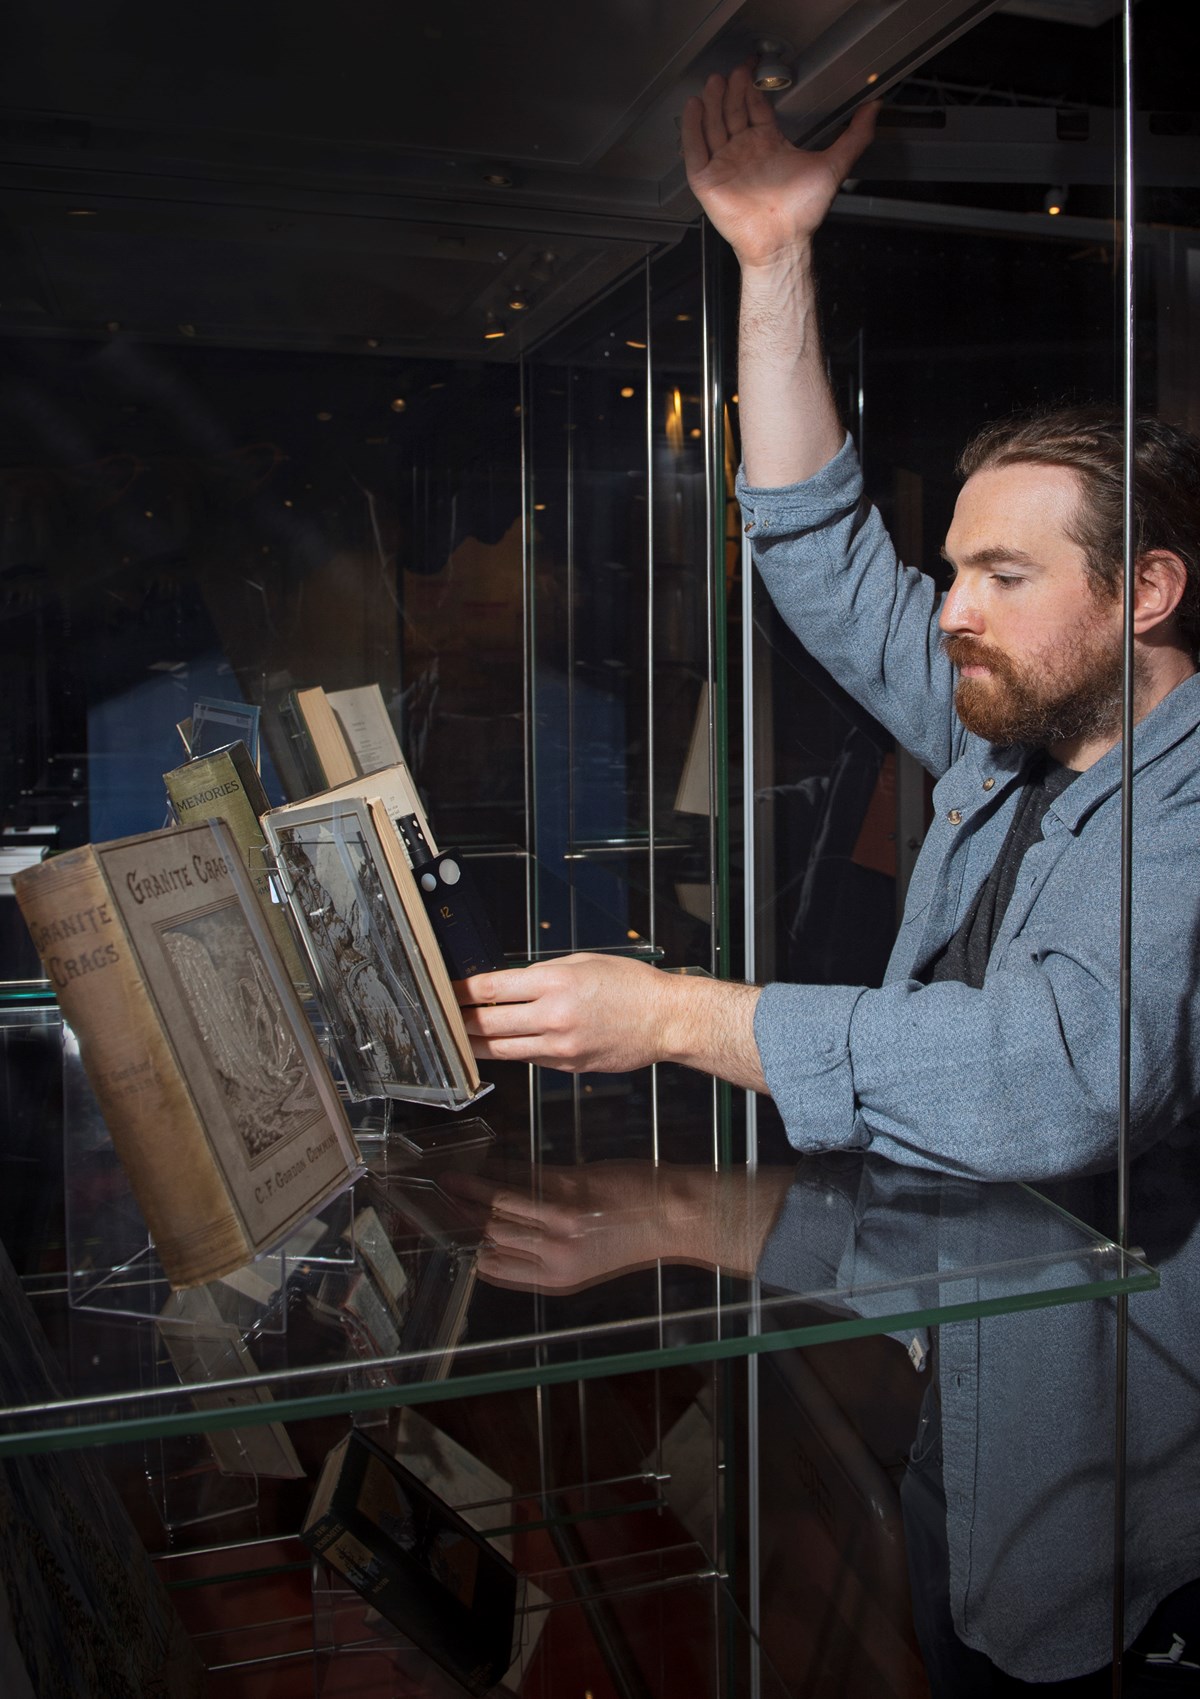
point(1016, 1079)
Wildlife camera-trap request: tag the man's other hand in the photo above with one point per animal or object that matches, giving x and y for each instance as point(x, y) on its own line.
point(765, 196)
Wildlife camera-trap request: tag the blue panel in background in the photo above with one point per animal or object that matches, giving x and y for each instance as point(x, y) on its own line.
point(132, 742)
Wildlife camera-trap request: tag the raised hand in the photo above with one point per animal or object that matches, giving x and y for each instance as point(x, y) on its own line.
point(765, 196)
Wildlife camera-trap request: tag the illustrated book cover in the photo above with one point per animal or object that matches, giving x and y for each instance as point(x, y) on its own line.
point(220, 1106)
point(416, 1560)
point(382, 983)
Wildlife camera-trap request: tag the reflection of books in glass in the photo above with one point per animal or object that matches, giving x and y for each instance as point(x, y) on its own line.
point(225, 785)
point(205, 1347)
point(415, 1560)
point(219, 1105)
point(82, 1613)
point(380, 976)
point(406, 1295)
point(693, 793)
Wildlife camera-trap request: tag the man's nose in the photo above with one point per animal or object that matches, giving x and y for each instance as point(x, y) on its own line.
point(960, 611)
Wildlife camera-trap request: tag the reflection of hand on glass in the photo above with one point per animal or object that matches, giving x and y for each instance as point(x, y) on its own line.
point(572, 1227)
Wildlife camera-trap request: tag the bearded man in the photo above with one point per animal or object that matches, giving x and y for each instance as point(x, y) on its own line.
point(991, 1049)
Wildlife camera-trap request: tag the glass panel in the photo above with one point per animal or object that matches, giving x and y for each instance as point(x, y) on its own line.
point(498, 1277)
point(1160, 1572)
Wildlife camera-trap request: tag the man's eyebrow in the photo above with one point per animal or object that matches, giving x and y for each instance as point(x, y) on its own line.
point(996, 555)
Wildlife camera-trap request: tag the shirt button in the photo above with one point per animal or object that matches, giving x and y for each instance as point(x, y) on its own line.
point(988, 784)
point(955, 816)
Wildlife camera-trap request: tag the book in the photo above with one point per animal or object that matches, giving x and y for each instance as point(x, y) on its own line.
point(366, 726)
point(220, 1107)
point(380, 977)
point(324, 751)
point(225, 785)
point(394, 787)
point(415, 1560)
point(82, 1613)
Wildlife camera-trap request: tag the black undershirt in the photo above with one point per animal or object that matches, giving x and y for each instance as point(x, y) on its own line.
point(965, 956)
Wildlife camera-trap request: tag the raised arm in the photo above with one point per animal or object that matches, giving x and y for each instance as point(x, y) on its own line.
point(768, 198)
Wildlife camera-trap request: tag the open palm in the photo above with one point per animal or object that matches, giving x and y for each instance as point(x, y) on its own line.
point(761, 193)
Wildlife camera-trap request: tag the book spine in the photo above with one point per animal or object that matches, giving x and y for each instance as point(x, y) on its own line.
point(226, 787)
point(156, 1130)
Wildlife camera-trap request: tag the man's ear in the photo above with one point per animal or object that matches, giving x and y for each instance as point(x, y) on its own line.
point(1160, 581)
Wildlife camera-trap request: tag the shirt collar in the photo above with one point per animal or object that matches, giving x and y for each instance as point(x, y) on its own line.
point(1167, 724)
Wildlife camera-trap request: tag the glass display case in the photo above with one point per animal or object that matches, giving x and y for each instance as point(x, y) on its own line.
point(333, 382)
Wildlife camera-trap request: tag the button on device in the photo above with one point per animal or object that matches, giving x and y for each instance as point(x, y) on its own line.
point(955, 816)
point(428, 882)
point(989, 784)
point(451, 871)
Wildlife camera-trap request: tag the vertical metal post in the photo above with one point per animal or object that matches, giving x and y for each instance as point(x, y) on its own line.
point(1129, 400)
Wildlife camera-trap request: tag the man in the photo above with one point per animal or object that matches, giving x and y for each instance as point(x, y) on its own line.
point(991, 1050)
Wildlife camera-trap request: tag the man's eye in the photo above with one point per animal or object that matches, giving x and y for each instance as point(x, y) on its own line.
point(1005, 580)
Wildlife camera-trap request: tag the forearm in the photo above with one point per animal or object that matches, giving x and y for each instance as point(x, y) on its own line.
point(710, 1220)
point(709, 1024)
point(789, 420)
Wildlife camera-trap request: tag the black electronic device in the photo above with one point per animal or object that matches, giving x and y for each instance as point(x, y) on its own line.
point(453, 904)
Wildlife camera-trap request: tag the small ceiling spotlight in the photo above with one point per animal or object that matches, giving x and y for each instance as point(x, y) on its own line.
point(498, 177)
point(493, 328)
point(772, 74)
point(1055, 201)
point(518, 301)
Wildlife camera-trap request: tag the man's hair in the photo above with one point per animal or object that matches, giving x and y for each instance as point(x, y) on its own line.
point(1090, 441)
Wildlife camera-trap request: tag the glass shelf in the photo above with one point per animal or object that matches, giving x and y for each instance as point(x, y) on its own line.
point(584, 1271)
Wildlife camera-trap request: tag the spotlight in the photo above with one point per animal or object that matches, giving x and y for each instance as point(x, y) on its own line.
point(493, 328)
point(771, 74)
point(1055, 201)
point(518, 301)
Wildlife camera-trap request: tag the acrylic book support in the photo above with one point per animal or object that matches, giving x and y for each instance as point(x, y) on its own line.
point(110, 1258)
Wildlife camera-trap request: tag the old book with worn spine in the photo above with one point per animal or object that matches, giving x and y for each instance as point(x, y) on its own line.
point(219, 1104)
point(225, 785)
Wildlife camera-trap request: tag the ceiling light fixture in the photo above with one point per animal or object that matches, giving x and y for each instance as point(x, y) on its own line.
point(771, 74)
point(493, 328)
point(498, 177)
point(518, 301)
point(1055, 201)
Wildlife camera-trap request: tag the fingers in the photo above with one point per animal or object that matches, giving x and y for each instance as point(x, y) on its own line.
point(844, 153)
point(507, 985)
point(713, 100)
point(502, 1020)
point(733, 105)
point(691, 137)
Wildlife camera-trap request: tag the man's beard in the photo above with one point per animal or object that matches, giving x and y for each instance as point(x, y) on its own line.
point(1068, 692)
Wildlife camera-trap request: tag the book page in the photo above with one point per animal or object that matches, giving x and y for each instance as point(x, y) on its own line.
point(367, 726)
